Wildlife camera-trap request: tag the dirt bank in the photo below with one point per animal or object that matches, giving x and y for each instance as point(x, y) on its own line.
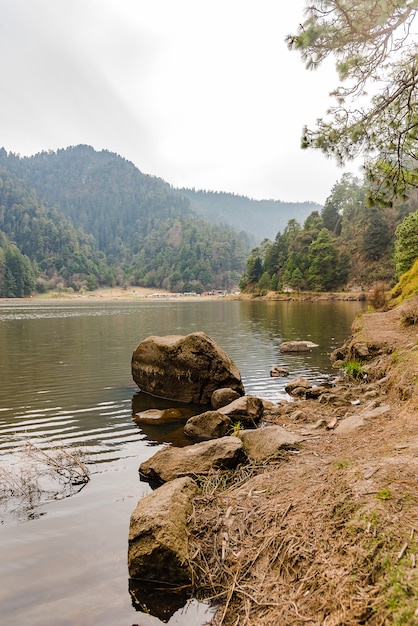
point(325, 534)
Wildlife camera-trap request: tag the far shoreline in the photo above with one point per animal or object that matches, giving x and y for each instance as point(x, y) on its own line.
point(135, 294)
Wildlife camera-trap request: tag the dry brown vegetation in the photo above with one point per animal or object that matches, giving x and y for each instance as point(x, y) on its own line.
point(325, 534)
point(39, 459)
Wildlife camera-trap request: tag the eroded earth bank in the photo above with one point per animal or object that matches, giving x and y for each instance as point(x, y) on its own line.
point(324, 530)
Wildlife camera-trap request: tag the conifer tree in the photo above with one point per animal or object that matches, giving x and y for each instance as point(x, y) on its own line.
point(374, 45)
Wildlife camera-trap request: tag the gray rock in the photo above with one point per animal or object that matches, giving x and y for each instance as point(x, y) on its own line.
point(353, 422)
point(278, 372)
point(184, 368)
point(171, 463)
point(261, 443)
point(247, 409)
point(360, 350)
point(300, 382)
point(208, 425)
point(297, 346)
point(222, 397)
point(313, 393)
point(157, 546)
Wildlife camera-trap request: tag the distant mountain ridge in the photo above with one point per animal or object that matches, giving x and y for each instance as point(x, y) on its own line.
point(78, 218)
point(260, 218)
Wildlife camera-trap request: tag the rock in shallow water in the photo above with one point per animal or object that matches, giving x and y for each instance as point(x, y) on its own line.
point(184, 368)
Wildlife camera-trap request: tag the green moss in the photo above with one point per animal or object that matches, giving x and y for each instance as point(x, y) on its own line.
point(407, 285)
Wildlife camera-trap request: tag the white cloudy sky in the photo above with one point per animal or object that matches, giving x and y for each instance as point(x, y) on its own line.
point(202, 93)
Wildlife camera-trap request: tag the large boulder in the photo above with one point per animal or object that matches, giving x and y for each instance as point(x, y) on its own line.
point(157, 534)
point(170, 462)
point(184, 368)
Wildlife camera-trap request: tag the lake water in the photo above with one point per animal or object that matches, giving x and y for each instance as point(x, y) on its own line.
point(65, 380)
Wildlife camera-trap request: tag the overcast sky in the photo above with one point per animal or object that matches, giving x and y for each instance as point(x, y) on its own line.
point(202, 93)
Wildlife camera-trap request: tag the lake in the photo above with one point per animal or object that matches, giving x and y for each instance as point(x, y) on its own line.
point(65, 380)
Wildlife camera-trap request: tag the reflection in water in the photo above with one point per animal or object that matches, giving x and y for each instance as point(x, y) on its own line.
point(65, 378)
point(166, 429)
point(165, 603)
point(157, 600)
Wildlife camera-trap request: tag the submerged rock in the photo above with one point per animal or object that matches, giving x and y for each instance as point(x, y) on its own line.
point(278, 372)
point(162, 416)
point(297, 346)
point(184, 368)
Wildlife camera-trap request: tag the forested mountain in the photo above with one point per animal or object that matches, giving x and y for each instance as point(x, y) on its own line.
point(349, 244)
point(82, 218)
point(40, 243)
point(261, 218)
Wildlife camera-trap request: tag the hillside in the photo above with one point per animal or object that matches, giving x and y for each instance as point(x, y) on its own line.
point(348, 245)
point(263, 219)
point(107, 223)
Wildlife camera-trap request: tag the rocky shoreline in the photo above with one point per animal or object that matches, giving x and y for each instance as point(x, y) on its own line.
point(329, 513)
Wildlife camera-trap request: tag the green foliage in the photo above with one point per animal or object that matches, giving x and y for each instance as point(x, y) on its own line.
point(384, 494)
point(325, 272)
point(353, 369)
point(110, 225)
point(348, 243)
point(17, 277)
point(406, 243)
point(407, 285)
point(372, 43)
point(376, 234)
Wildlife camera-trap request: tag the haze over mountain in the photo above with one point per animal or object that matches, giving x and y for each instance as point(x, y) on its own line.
point(260, 218)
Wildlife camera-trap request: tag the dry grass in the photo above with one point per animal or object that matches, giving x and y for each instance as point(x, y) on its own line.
point(378, 297)
point(409, 315)
point(308, 550)
point(327, 535)
point(37, 460)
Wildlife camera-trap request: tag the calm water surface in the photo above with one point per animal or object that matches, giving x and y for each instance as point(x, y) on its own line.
point(65, 379)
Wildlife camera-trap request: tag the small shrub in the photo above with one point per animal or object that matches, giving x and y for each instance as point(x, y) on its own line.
point(410, 315)
point(378, 298)
point(384, 494)
point(353, 369)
